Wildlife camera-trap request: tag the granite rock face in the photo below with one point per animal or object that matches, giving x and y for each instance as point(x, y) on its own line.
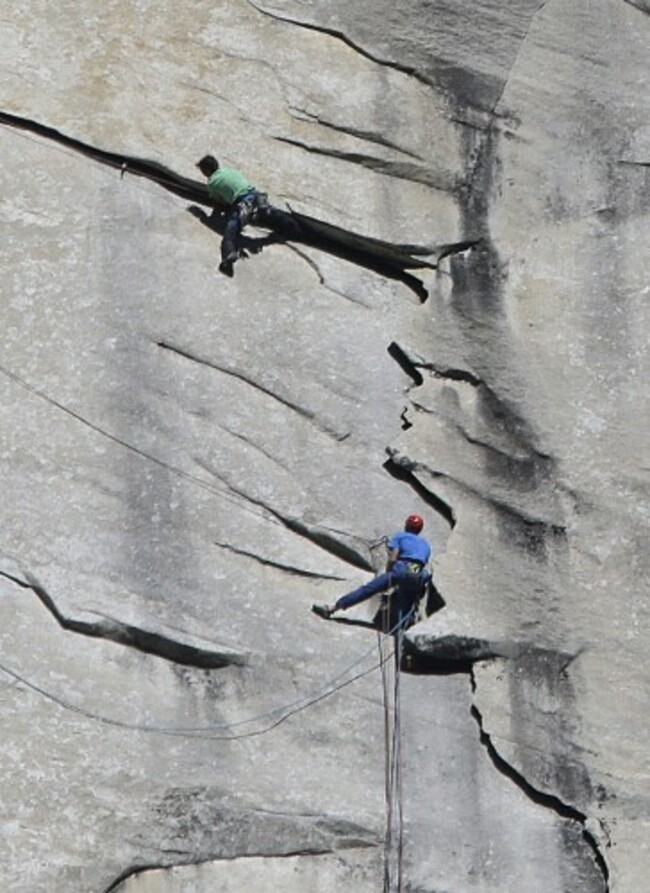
point(190, 461)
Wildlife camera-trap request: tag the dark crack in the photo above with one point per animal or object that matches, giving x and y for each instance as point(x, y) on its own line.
point(375, 137)
point(385, 258)
point(496, 415)
point(431, 655)
point(220, 830)
point(142, 868)
point(641, 5)
point(224, 494)
point(286, 568)
point(340, 35)
point(548, 801)
point(302, 411)
point(402, 472)
point(406, 362)
point(406, 424)
point(411, 362)
point(322, 280)
point(456, 375)
point(329, 541)
point(506, 510)
point(255, 446)
point(146, 641)
point(401, 170)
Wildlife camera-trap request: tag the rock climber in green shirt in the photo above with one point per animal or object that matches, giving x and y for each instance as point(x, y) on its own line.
point(231, 190)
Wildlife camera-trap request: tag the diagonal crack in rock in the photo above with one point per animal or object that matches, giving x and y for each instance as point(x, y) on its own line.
point(549, 801)
point(155, 642)
point(387, 259)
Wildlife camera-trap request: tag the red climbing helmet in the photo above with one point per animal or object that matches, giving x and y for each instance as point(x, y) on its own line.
point(413, 524)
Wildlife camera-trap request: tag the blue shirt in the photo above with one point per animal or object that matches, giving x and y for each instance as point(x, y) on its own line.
point(410, 546)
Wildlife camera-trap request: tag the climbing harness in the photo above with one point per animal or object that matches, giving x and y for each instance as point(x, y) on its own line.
point(252, 207)
point(414, 568)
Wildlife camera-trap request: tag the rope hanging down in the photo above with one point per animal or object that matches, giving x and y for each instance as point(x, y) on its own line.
point(394, 793)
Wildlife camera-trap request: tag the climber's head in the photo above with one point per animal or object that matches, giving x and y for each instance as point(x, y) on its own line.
point(413, 524)
point(208, 165)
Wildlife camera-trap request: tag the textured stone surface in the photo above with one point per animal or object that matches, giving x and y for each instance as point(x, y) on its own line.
point(188, 462)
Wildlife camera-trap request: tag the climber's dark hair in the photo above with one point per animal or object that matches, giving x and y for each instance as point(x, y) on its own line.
point(208, 165)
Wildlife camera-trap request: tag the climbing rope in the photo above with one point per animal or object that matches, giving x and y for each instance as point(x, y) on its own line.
point(394, 793)
point(387, 765)
point(282, 712)
point(223, 491)
point(397, 755)
point(215, 489)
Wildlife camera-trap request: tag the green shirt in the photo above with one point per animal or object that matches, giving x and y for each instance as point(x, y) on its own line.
point(227, 184)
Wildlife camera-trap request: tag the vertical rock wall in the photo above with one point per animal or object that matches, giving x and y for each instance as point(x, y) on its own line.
point(188, 462)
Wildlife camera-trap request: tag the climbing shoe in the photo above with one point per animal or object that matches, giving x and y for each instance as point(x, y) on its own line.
point(323, 611)
point(226, 265)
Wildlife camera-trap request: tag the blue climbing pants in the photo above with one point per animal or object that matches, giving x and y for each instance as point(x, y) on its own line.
point(408, 585)
point(236, 218)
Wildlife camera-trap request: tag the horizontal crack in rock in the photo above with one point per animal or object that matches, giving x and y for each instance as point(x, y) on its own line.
point(411, 362)
point(432, 653)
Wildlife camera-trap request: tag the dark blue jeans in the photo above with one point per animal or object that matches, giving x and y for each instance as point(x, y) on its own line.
point(236, 219)
point(254, 207)
point(409, 587)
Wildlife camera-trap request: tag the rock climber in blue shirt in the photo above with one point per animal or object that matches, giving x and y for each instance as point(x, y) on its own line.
point(406, 571)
